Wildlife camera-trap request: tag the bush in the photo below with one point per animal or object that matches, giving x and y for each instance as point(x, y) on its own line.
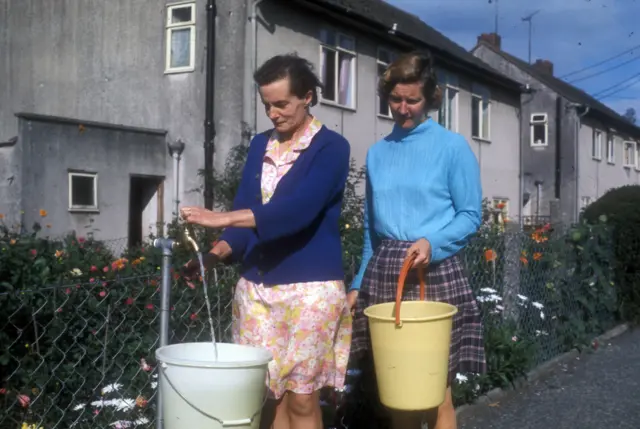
point(619, 209)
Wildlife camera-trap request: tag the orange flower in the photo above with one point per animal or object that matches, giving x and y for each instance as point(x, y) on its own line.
point(43, 213)
point(524, 260)
point(500, 206)
point(141, 402)
point(537, 256)
point(12, 241)
point(119, 264)
point(490, 255)
point(59, 253)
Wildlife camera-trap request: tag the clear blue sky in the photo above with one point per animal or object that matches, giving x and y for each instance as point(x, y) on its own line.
point(573, 34)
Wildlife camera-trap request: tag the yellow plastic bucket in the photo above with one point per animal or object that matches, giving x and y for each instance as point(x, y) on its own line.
point(410, 344)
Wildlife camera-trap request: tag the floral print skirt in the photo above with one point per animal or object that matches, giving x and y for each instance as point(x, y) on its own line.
point(307, 327)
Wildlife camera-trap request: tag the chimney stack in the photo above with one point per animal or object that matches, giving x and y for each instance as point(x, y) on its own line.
point(491, 39)
point(544, 66)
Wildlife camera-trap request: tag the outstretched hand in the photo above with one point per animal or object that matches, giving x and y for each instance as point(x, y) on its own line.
point(203, 217)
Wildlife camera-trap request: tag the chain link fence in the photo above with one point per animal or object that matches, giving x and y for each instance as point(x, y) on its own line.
point(81, 355)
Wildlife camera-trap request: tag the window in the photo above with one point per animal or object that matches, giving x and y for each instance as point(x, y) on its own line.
point(501, 204)
point(338, 68)
point(180, 38)
point(385, 57)
point(448, 113)
point(637, 155)
point(480, 114)
point(539, 129)
point(596, 145)
point(629, 154)
point(611, 154)
point(584, 202)
point(83, 191)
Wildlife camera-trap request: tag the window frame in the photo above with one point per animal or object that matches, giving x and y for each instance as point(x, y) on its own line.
point(611, 149)
point(449, 82)
point(629, 145)
point(354, 68)
point(170, 27)
point(596, 144)
point(78, 208)
point(482, 95)
point(536, 122)
point(392, 55)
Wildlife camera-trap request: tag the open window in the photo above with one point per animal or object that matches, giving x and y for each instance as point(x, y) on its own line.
point(338, 68)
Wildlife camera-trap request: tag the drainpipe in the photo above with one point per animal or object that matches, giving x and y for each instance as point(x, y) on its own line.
point(254, 64)
point(175, 150)
point(209, 124)
point(521, 167)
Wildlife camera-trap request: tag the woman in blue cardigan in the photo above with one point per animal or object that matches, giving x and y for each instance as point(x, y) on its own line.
point(423, 198)
point(284, 230)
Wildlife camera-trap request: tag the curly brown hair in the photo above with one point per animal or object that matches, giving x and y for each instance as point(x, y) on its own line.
point(413, 67)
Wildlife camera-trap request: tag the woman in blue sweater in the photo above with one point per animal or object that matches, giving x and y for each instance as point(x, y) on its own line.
point(423, 198)
point(284, 230)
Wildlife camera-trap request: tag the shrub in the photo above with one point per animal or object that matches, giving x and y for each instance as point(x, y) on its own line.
point(619, 208)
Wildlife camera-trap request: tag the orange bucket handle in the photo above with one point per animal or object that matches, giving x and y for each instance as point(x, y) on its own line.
point(406, 267)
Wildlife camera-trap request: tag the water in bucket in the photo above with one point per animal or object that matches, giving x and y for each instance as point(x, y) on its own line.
point(201, 389)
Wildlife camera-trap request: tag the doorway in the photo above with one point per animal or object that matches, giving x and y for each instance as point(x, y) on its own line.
point(142, 190)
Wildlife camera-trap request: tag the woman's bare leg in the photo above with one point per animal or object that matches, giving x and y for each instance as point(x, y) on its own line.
point(304, 411)
point(275, 415)
point(443, 417)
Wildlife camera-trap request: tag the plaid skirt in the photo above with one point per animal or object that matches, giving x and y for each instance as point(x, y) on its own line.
point(446, 281)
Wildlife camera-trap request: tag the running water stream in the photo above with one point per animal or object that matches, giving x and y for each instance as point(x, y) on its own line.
point(206, 298)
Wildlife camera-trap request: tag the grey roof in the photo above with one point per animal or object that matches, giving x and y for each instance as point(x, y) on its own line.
point(410, 27)
point(570, 92)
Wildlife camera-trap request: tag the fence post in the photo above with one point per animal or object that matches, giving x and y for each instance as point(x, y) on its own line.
point(166, 244)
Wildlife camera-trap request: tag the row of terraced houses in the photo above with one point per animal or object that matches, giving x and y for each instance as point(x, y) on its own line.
point(108, 110)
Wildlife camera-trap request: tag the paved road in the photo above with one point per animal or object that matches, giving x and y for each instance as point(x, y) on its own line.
point(594, 391)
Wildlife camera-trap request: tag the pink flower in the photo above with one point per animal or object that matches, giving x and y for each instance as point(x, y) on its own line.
point(81, 239)
point(24, 401)
point(193, 316)
point(129, 301)
point(3, 391)
point(102, 294)
point(93, 268)
point(145, 366)
point(106, 269)
point(67, 291)
point(149, 306)
point(34, 252)
point(91, 280)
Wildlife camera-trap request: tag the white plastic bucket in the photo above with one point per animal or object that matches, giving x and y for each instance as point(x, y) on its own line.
point(198, 391)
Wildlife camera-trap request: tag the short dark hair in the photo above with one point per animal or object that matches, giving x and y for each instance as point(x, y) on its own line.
point(412, 67)
point(302, 79)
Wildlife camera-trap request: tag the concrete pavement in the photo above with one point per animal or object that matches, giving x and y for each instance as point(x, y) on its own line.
point(593, 391)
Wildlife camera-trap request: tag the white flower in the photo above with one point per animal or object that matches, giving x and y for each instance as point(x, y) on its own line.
point(114, 387)
point(542, 315)
point(499, 307)
point(79, 407)
point(76, 272)
point(537, 305)
point(118, 404)
point(488, 290)
point(522, 297)
point(460, 378)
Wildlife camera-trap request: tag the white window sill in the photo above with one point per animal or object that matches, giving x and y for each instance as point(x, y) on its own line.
point(595, 158)
point(337, 105)
point(628, 166)
point(540, 145)
point(611, 162)
point(180, 70)
point(481, 140)
point(79, 210)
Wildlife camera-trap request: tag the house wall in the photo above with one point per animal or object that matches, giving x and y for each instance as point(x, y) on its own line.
point(539, 163)
point(105, 61)
point(597, 176)
point(50, 148)
point(283, 29)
